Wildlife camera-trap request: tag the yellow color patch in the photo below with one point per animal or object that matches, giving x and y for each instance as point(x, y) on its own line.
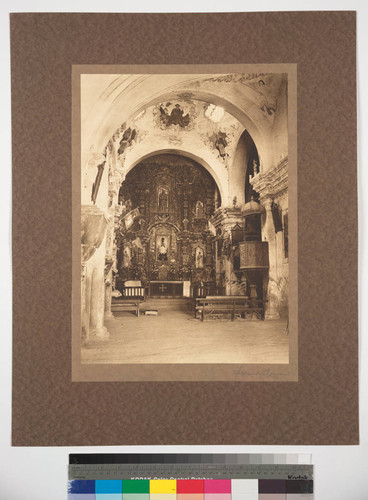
point(163, 486)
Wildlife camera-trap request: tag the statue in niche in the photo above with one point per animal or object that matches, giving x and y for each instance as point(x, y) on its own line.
point(127, 256)
point(137, 243)
point(163, 198)
point(216, 199)
point(162, 249)
point(226, 247)
point(199, 211)
point(126, 205)
point(199, 258)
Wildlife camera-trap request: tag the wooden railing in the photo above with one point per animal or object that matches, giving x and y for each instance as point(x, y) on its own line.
point(137, 292)
point(203, 290)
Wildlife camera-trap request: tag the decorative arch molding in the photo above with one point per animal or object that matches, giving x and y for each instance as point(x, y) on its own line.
point(180, 152)
point(162, 223)
point(114, 116)
point(210, 98)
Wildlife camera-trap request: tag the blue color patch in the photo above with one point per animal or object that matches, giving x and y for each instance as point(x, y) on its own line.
point(81, 486)
point(109, 486)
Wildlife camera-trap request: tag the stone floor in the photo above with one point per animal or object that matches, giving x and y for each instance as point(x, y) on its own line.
point(174, 336)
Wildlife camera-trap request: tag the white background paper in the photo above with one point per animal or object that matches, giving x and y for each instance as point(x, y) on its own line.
point(341, 472)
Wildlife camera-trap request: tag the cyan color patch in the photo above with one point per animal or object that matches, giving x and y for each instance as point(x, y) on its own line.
point(109, 486)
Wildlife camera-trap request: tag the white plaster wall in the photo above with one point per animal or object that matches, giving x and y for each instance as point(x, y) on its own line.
point(108, 100)
point(280, 126)
point(194, 142)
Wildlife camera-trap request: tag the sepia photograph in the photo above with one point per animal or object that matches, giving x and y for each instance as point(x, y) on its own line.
point(187, 221)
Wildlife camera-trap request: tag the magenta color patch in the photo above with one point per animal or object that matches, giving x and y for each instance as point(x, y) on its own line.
point(217, 486)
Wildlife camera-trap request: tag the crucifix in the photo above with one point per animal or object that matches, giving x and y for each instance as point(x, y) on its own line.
point(162, 288)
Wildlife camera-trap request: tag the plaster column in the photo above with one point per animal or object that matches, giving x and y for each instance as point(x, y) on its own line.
point(224, 219)
point(228, 272)
point(97, 311)
point(85, 303)
point(268, 234)
point(109, 261)
point(108, 290)
point(93, 226)
point(114, 212)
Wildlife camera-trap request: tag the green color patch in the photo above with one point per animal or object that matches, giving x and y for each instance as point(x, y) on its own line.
point(135, 486)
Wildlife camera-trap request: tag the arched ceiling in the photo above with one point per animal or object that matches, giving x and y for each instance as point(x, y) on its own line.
point(109, 100)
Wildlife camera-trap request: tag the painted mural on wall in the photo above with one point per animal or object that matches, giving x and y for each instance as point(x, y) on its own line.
point(222, 140)
point(127, 139)
point(126, 136)
point(178, 122)
point(265, 87)
point(175, 115)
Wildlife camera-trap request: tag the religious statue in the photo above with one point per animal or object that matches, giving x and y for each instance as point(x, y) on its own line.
point(127, 256)
point(162, 250)
point(199, 211)
point(139, 249)
point(199, 258)
point(163, 199)
point(226, 247)
point(128, 205)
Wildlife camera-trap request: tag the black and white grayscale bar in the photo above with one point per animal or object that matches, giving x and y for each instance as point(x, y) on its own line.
point(193, 466)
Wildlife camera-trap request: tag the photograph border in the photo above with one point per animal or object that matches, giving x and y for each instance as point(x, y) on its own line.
point(185, 372)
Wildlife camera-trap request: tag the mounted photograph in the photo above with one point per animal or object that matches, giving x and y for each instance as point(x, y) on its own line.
point(184, 230)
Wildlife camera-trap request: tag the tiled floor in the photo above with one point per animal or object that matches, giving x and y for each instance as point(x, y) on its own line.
point(174, 336)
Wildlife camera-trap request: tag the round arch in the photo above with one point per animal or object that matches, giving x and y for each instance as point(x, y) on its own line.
point(186, 154)
point(114, 115)
point(210, 98)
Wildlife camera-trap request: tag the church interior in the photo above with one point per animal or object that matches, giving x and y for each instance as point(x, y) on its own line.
point(184, 218)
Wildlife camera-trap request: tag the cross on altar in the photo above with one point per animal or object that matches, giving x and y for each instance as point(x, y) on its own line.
point(162, 288)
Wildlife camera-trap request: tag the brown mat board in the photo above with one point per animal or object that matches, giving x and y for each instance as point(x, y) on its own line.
point(49, 409)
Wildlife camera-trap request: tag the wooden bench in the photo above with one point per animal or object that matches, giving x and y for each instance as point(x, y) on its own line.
point(229, 304)
point(133, 290)
point(119, 305)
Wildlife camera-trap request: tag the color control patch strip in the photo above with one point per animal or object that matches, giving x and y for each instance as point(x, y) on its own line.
point(174, 481)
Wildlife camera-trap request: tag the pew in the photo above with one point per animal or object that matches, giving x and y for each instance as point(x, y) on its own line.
point(229, 304)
